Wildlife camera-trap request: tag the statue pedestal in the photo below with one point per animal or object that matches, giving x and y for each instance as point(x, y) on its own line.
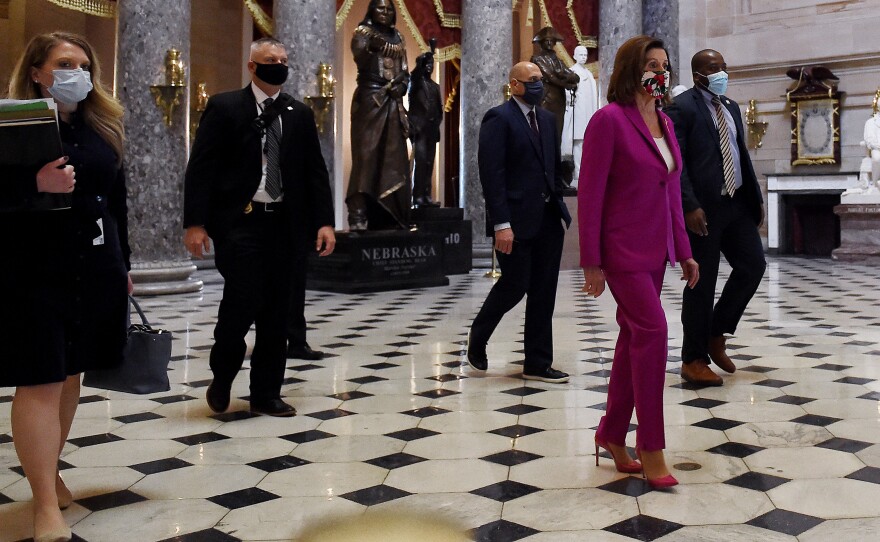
point(456, 233)
point(859, 232)
point(378, 261)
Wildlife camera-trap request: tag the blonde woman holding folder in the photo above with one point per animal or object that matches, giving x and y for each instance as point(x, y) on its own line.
point(65, 281)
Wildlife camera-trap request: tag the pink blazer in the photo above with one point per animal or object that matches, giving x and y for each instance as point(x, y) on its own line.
point(629, 206)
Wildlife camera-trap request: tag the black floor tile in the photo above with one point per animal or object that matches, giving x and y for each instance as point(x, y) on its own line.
point(173, 399)
point(774, 383)
point(160, 465)
point(110, 500)
point(201, 438)
point(505, 491)
point(642, 527)
point(783, 521)
point(375, 495)
point(395, 461)
point(349, 395)
point(502, 531)
point(872, 396)
point(380, 366)
point(234, 416)
point(330, 414)
point(735, 449)
point(511, 457)
point(279, 463)
point(854, 380)
point(367, 379)
point(704, 403)
point(140, 417)
point(867, 474)
point(446, 377)
point(832, 367)
point(207, 535)
point(719, 424)
point(515, 431)
point(757, 369)
point(634, 486)
point(243, 497)
point(438, 393)
point(426, 412)
point(94, 440)
point(792, 400)
point(307, 436)
point(523, 391)
point(520, 409)
point(412, 434)
point(757, 481)
point(814, 419)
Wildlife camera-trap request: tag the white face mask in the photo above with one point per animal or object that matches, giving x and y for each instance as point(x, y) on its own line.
point(71, 86)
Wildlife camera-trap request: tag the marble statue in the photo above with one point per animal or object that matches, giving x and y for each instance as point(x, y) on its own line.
point(580, 108)
point(378, 193)
point(869, 172)
point(558, 80)
point(425, 117)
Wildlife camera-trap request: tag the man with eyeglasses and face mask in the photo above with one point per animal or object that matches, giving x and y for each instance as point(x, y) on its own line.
point(257, 184)
point(723, 210)
point(519, 162)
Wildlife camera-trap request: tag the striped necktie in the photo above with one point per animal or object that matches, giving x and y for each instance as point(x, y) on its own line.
point(272, 151)
point(532, 122)
point(724, 136)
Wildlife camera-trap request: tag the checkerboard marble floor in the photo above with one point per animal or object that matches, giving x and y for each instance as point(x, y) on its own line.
point(788, 449)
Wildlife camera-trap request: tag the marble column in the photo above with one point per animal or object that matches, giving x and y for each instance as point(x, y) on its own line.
point(660, 19)
point(308, 28)
point(619, 20)
point(486, 58)
point(155, 154)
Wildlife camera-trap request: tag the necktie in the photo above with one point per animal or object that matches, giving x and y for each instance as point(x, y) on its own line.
point(273, 169)
point(726, 155)
point(532, 122)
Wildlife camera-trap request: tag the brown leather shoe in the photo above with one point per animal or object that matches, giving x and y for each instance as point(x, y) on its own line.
point(698, 372)
point(718, 353)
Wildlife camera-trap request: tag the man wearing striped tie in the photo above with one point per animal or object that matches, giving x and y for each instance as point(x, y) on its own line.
point(723, 210)
point(257, 185)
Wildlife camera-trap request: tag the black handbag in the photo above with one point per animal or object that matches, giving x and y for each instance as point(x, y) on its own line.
point(144, 367)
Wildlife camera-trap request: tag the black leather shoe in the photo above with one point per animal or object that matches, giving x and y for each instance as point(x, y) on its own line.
point(549, 375)
point(218, 396)
point(476, 357)
point(304, 352)
point(273, 407)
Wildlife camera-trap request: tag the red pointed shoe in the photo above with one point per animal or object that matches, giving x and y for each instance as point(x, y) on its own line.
point(628, 468)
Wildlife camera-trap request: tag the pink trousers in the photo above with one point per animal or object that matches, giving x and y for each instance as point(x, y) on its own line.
point(638, 371)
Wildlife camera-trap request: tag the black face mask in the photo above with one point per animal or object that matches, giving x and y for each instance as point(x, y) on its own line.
point(274, 74)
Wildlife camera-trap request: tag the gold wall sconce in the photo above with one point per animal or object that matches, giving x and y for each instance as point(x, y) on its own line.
point(506, 92)
point(168, 96)
point(756, 128)
point(199, 105)
point(321, 104)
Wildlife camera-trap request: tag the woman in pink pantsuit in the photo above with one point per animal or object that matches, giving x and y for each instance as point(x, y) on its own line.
point(631, 224)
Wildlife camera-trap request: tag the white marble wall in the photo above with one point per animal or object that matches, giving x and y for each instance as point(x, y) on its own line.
point(487, 50)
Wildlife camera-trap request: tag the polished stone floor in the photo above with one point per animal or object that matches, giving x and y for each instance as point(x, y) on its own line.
point(788, 449)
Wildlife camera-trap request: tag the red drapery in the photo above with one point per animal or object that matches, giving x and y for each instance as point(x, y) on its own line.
point(576, 20)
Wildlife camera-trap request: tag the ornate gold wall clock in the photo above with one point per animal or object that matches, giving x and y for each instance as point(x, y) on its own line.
point(814, 103)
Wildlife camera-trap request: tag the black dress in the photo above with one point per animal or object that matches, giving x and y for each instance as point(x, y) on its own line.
point(64, 306)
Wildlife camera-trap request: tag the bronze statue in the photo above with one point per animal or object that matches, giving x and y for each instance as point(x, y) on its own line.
point(425, 116)
point(378, 189)
point(558, 79)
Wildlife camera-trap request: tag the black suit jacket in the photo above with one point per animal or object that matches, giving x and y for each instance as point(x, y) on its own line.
point(225, 167)
point(519, 169)
point(702, 174)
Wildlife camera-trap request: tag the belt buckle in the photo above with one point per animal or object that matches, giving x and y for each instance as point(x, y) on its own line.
point(249, 208)
point(268, 209)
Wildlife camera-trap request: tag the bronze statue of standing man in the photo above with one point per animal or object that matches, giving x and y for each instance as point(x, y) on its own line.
point(379, 189)
point(557, 78)
point(425, 117)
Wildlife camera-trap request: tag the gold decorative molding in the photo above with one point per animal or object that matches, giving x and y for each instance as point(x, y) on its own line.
point(265, 23)
point(343, 12)
point(586, 41)
point(449, 20)
point(99, 8)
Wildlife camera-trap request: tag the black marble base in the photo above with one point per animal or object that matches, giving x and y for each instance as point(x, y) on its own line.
point(456, 232)
point(377, 261)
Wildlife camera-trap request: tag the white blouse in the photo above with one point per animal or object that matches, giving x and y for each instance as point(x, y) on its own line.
point(667, 154)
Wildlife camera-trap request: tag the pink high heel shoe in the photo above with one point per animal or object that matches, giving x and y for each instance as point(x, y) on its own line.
point(628, 468)
point(658, 483)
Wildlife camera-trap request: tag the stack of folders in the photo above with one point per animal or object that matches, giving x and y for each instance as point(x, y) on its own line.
point(29, 138)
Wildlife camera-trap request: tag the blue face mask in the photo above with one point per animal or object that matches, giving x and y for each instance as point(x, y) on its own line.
point(71, 86)
point(717, 82)
point(534, 92)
